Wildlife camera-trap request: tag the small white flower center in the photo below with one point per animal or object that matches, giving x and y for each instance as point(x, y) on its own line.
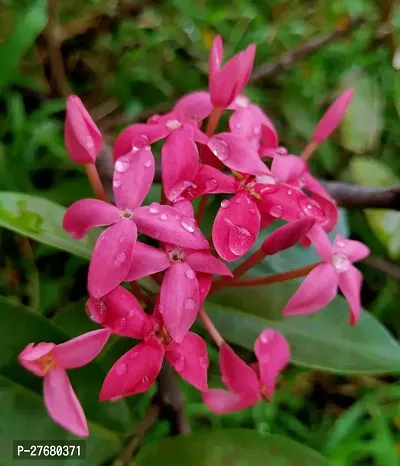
point(173, 124)
point(341, 262)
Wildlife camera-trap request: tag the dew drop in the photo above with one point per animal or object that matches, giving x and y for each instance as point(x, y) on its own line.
point(340, 244)
point(120, 258)
point(242, 101)
point(238, 199)
point(240, 239)
point(267, 335)
point(121, 239)
point(173, 124)
point(122, 164)
point(252, 211)
point(219, 148)
point(276, 211)
point(341, 262)
point(225, 204)
point(133, 355)
point(211, 184)
point(96, 310)
point(117, 183)
point(190, 304)
point(302, 182)
point(203, 361)
point(120, 368)
point(154, 208)
point(131, 313)
point(311, 208)
point(188, 224)
point(145, 379)
point(290, 192)
point(163, 216)
point(190, 274)
point(238, 126)
point(147, 164)
point(121, 324)
point(161, 308)
point(180, 364)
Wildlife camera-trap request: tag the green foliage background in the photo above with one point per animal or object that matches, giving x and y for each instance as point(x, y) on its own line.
point(127, 61)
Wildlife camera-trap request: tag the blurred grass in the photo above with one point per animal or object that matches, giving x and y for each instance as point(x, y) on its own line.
point(128, 61)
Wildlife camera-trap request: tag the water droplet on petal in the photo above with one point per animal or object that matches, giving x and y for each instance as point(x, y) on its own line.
point(147, 164)
point(276, 211)
point(311, 208)
point(173, 124)
point(238, 199)
point(121, 324)
point(134, 355)
point(240, 239)
point(189, 224)
point(120, 258)
point(145, 379)
point(290, 192)
point(131, 313)
point(225, 204)
point(163, 216)
point(341, 262)
point(190, 273)
point(180, 364)
point(120, 368)
point(190, 304)
point(154, 208)
point(302, 182)
point(117, 183)
point(121, 239)
point(242, 101)
point(211, 184)
point(203, 361)
point(96, 310)
point(252, 211)
point(161, 308)
point(267, 335)
point(219, 148)
point(340, 244)
point(122, 164)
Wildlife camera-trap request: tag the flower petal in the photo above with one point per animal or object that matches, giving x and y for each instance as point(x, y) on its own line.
point(195, 105)
point(222, 401)
point(113, 253)
point(236, 374)
point(121, 312)
point(234, 151)
point(83, 139)
point(321, 242)
point(317, 291)
point(179, 300)
point(134, 372)
point(236, 227)
point(80, 350)
point(85, 214)
point(273, 354)
point(146, 261)
point(168, 225)
point(185, 207)
point(205, 262)
point(287, 236)
point(288, 168)
point(139, 136)
point(62, 404)
point(190, 360)
point(350, 285)
point(133, 177)
point(354, 250)
point(179, 163)
point(216, 55)
point(31, 353)
point(204, 280)
point(210, 180)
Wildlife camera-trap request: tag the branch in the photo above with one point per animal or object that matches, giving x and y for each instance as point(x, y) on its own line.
point(290, 58)
point(383, 266)
point(355, 196)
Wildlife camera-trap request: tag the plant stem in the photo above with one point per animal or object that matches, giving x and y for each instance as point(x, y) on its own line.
point(94, 179)
point(140, 295)
point(210, 327)
point(201, 208)
point(213, 120)
point(309, 150)
point(268, 280)
point(249, 263)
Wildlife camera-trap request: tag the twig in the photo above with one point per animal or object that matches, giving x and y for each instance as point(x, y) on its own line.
point(355, 196)
point(384, 266)
point(290, 58)
point(58, 81)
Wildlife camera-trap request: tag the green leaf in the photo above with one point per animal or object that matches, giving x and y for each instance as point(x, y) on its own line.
point(362, 124)
point(323, 340)
point(24, 417)
point(233, 447)
point(29, 24)
point(41, 220)
point(87, 381)
point(384, 222)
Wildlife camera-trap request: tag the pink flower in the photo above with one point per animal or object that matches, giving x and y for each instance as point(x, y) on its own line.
point(51, 361)
point(137, 369)
point(227, 81)
point(179, 299)
point(246, 386)
point(320, 286)
point(114, 250)
point(82, 137)
point(332, 117)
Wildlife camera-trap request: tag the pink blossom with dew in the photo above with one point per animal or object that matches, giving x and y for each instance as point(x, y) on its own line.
point(82, 137)
point(247, 385)
point(137, 369)
point(332, 117)
point(228, 80)
point(50, 361)
point(320, 286)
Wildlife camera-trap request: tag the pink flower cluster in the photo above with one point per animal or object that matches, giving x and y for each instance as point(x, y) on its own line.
point(261, 183)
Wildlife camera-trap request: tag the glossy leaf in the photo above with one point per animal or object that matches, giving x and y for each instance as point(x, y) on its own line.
point(233, 447)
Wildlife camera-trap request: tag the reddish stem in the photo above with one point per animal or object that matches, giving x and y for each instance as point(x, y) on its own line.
point(94, 179)
point(139, 294)
point(213, 120)
point(201, 209)
point(210, 327)
point(309, 150)
point(249, 263)
point(269, 280)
